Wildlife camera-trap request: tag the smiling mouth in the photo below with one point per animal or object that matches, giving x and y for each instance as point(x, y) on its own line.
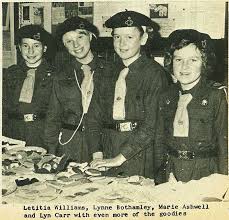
point(184, 74)
point(78, 50)
point(123, 50)
point(31, 57)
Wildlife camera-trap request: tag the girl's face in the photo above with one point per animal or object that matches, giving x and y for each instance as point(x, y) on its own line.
point(187, 66)
point(32, 51)
point(77, 43)
point(127, 42)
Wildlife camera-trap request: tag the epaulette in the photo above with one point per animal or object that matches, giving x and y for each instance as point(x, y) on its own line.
point(218, 85)
point(13, 71)
point(13, 68)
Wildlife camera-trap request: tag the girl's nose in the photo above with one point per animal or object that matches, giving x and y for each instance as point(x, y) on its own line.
point(75, 43)
point(122, 41)
point(31, 50)
point(185, 64)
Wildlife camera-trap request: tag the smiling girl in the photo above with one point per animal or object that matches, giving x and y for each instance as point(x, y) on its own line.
point(27, 87)
point(192, 128)
point(125, 117)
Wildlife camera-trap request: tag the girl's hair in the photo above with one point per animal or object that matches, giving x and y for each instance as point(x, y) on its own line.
point(140, 29)
point(182, 38)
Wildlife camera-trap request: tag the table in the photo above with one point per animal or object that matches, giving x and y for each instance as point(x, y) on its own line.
point(75, 187)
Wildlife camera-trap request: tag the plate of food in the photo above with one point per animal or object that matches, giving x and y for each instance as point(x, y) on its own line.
point(29, 151)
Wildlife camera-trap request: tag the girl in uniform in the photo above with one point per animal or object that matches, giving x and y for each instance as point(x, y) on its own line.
point(27, 86)
point(192, 128)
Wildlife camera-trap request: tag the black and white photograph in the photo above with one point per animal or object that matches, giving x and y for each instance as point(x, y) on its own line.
point(114, 109)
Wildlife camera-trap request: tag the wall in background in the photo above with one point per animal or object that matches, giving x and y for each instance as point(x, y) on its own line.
point(205, 16)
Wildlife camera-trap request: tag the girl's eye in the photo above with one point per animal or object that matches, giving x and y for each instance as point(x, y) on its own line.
point(177, 59)
point(130, 37)
point(116, 37)
point(194, 60)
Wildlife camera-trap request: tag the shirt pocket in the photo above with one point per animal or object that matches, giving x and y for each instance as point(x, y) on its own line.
point(134, 105)
point(69, 92)
point(201, 124)
point(42, 92)
point(46, 83)
point(168, 118)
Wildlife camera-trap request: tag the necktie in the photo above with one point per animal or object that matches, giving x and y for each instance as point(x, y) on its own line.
point(181, 120)
point(119, 97)
point(26, 94)
point(87, 87)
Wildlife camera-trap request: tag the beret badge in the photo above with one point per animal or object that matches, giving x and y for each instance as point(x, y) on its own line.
point(204, 43)
point(81, 25)
point(129, 22)
point(37, 36)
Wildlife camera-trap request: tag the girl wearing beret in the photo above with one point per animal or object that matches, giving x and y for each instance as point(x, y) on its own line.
point(125, 117)
point(73, 90)
point(27, 86)
point(192, 128)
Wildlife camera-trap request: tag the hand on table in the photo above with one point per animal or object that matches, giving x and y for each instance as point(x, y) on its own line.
point(108, 163)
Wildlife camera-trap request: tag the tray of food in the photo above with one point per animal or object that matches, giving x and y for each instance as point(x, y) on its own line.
point(29, 151)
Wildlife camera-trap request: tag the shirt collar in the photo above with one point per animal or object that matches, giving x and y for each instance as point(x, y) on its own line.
point(136, 65)
point(93, 64)
point(193, 91)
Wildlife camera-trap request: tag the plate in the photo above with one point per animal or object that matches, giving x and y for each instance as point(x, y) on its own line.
point(39, 150)
point(93, 172)
point(9, 188)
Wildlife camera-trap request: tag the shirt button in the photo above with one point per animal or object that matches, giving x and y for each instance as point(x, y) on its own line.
point(118, 98)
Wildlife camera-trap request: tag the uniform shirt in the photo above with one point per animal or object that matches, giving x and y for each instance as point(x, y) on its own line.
point(207, 130)
point(144, 82)
point(14, 78)
point(66, 108)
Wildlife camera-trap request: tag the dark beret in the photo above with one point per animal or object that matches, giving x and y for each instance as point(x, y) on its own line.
point(130, 19)
point(74, 23)
point(190, 35)
point(35, 32)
